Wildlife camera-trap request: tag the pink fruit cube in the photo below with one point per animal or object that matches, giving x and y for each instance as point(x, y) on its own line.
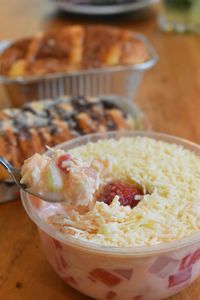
point(180, 277)
point(195, 257)
point(126, 273)
point(105, 277)
point(185, 262)
point(163, 266)
point(190, 259)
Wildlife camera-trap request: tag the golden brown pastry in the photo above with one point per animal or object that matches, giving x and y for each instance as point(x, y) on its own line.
point(72, 48)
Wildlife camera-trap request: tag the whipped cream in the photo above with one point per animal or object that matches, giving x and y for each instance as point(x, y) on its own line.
point(61, 177)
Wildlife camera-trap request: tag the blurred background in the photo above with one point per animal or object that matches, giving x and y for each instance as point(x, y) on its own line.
point(171, 26)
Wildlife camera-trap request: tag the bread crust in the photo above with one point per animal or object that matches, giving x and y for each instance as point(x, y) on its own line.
point(72, 48)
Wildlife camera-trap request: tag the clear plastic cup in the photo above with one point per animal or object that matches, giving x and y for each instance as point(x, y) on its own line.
point(104, 272)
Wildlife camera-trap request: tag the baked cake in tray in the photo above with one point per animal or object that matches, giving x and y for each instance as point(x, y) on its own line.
point(29, 129)
point(72, 48)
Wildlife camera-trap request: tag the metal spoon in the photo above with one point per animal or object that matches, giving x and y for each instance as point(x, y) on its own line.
point(16, 176)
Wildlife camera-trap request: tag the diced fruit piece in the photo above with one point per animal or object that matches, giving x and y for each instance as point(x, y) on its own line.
point(163, 266)
point(53, 178)
point(185, 262)
point(111, 295)
point(127, 193)
point(61, 159)
point(126, 273)
point(105, 277)
point(180, 277)
point(195, 257)
point(190, 259)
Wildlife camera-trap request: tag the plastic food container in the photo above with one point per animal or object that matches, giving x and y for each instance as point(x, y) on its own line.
point(9, 190)
point(118, 80)
point(104, 272)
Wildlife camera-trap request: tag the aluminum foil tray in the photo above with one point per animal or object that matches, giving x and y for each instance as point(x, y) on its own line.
point(120, 80)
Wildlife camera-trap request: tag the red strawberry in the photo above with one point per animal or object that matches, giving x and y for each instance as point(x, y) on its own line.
point(126, 193)
point(61, 159)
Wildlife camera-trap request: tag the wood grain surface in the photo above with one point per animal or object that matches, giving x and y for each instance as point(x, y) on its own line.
point(169, 95)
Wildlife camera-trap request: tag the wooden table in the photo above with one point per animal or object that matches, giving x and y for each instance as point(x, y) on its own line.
point(170, 95)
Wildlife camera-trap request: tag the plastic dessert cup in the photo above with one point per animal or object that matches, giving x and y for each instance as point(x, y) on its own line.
point(104, 272)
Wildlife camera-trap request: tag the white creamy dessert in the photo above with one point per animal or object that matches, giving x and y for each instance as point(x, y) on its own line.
point(60, 178)
point(165, 179)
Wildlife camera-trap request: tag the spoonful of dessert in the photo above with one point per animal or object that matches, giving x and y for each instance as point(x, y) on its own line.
point(56, 178)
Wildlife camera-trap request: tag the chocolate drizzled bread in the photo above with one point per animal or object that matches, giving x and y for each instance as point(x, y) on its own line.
point(37, 124)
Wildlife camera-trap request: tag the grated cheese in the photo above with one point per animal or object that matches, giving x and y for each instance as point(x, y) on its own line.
point(169, 173)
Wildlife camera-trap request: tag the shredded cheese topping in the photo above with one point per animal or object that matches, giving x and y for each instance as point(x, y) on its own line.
point(171, 175)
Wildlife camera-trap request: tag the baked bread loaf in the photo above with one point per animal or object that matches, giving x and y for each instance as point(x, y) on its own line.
point(72, 48)
point(37, 124)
